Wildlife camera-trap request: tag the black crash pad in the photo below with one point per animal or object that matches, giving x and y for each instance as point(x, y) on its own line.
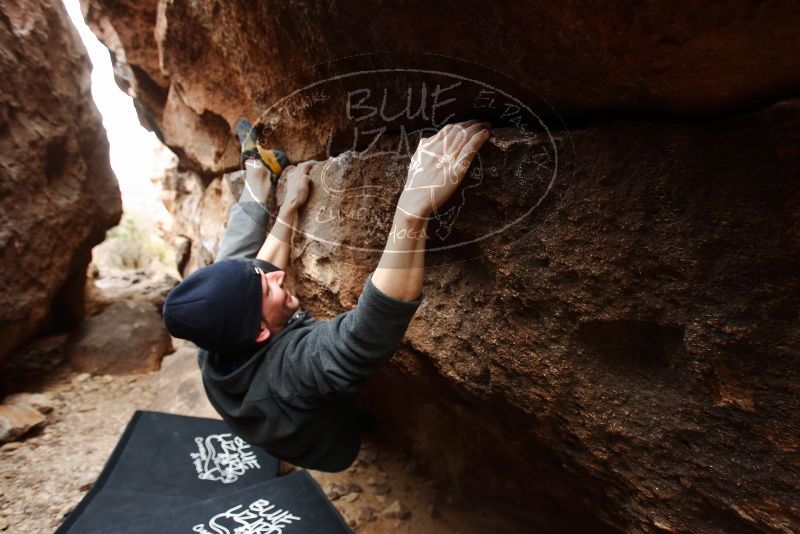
point(163, 462)
point(292, 504)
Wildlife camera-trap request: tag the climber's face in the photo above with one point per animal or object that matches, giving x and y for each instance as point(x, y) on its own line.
point(278, 304)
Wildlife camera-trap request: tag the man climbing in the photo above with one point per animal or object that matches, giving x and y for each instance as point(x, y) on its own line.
point(281, 379)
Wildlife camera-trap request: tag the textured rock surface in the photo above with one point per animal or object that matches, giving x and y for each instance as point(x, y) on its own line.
point(200, 212)
point(604, 354)
point(41, 402)
point(16, 421)
point(605, 337)
point(126, 286)
point(58, 194)
point(202, 64)
point(180, 389)
point(626, 356)
point(127, 337)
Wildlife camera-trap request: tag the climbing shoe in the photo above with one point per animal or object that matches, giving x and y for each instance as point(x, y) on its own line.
point(276, 160)
point(254, 147)
point(248, 139)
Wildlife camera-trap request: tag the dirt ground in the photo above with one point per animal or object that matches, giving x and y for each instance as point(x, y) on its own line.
point(46, 474)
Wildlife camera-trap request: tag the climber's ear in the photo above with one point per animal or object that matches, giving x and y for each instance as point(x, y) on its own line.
point(263, 332)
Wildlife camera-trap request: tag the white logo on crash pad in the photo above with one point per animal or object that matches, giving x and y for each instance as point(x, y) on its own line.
point(223, 457)
point(261, 517)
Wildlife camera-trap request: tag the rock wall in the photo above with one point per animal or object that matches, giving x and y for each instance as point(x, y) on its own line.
point(195, 67)
point(200, 212)
point(631, 352)
point(625, 356)
point(58, 193)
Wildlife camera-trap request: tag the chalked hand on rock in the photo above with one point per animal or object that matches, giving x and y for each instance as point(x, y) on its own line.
point(439, 165)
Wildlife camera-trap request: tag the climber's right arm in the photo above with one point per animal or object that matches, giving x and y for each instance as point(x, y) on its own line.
point(278, 246)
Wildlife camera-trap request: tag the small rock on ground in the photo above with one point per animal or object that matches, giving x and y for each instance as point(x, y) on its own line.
point(381, 488)
point(396, 511)
point(350, 497)
point(16, 421)
point(367, 514)
point(43, 402)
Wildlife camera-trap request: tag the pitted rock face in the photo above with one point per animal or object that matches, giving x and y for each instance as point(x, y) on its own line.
point(59, 195)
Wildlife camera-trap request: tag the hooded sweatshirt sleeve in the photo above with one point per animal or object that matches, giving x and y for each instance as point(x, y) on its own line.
point(336, 356)
point(246, 231)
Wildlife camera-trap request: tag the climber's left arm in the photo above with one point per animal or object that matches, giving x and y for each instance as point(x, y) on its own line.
point(277, 247)
point(247, 222)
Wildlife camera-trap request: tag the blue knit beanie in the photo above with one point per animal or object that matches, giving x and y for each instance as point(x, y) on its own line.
point(218, 307)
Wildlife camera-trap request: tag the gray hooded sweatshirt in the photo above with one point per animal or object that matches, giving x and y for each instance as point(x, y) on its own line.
point(295, 395)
